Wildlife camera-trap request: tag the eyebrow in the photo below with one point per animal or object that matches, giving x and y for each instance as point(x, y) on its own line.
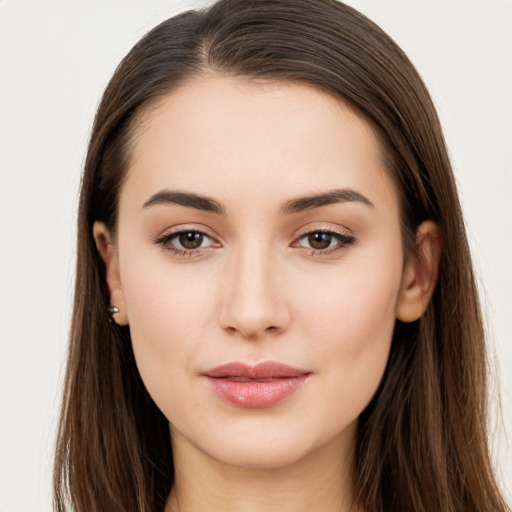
point(297, 205)
point(169, 197)
point(343, 195)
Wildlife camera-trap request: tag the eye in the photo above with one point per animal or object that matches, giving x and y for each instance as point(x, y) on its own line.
point(186, 242)
point(190, 239)
point(325, 242)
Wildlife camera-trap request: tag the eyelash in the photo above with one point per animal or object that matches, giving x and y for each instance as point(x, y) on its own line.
point(343, 242)
point(165, 240)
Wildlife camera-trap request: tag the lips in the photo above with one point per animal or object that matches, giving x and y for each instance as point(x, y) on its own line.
point(259, 386)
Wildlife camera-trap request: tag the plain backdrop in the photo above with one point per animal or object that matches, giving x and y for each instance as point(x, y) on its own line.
point(55, 59)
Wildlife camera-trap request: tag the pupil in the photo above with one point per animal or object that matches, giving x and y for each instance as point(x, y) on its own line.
point(320, 240)
point(191, 240)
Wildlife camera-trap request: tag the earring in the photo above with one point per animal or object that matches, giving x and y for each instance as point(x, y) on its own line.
point(112, 310)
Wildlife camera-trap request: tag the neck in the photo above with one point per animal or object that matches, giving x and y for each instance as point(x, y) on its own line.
point(319, 481)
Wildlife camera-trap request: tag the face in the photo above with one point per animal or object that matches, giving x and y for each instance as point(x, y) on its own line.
point(259, 263)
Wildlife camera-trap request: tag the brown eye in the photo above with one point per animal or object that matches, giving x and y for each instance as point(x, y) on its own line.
point(319, 240)
point(190, 239)
point(325, 242)
point(186, 243)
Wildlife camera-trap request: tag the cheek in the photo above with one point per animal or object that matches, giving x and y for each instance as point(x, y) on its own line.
point(168, 307)
point(352, 321)
point(355, 298)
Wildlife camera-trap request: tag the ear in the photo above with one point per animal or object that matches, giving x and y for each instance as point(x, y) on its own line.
point(420, 273)
point(108, 253)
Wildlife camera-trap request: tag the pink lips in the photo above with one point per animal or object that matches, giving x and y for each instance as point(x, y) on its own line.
point(263, 385)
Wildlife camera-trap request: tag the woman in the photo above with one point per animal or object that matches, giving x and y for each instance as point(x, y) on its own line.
point(275, 307)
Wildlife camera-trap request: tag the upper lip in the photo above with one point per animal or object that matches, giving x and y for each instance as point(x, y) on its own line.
point(264, 370)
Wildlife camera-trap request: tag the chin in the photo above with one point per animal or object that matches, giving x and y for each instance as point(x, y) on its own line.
point(268, 444)
point(254, 455)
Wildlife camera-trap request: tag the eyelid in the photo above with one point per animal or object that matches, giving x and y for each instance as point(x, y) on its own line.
point(324, 228)
point(164, 238)
point(345, 238)
point(199, 228)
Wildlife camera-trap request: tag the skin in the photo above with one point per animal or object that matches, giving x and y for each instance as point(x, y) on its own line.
point(255, 290)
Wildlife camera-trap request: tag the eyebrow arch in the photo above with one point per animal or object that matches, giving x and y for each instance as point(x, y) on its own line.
point(168, 197)
point(300, 204)
point(342, 195)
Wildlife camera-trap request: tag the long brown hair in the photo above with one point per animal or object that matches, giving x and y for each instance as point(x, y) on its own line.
point(422, 441)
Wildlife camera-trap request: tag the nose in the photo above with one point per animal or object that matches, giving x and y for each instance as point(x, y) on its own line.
point(254, 302)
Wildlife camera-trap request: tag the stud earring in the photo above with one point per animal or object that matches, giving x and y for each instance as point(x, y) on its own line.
point(121, 319)
point(112, 310)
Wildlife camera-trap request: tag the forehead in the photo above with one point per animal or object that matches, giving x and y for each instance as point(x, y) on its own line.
point(219, 134)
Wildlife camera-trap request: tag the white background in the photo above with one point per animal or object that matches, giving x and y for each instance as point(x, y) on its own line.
point(55, 59)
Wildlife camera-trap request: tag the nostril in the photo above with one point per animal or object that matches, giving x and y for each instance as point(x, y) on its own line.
point(252, 333)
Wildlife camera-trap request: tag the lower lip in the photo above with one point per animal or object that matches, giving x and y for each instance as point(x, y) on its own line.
point(254, 394)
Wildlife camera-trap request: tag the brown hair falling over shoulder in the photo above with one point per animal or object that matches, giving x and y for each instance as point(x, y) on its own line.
point(422, 444)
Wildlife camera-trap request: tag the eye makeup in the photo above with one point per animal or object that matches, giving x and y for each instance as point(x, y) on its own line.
point(186, 242)
point(194, 242)
point(325, 242)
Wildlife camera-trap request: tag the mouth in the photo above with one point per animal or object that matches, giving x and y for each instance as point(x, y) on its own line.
point(259, 386)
